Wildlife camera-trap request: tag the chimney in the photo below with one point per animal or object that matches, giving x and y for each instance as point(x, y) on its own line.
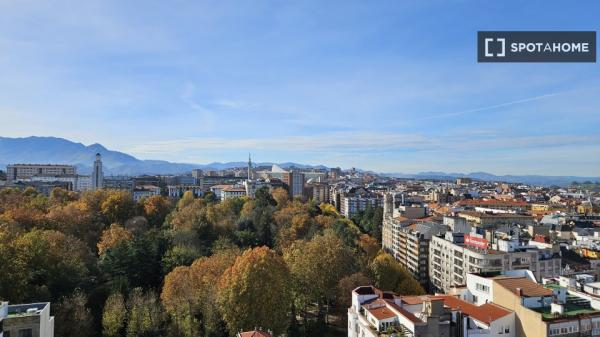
point(519, 292)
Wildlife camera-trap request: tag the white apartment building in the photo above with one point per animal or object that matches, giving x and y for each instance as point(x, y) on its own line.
point(28, 320)
point(350, 205)
point(374, 312)
point(452, 257)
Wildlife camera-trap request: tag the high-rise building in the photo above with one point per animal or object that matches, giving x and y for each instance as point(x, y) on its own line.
point(295, 183)
point(97, 175)
point(335, 173)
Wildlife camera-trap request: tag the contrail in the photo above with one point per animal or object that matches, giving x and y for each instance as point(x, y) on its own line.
point(525, 100)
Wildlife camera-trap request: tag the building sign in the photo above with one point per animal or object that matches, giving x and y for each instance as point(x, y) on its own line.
point(476, 242)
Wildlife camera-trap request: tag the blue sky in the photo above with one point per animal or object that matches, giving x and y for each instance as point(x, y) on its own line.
point(391, 86)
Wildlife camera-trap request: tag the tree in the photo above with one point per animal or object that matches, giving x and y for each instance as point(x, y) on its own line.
point(113, 237)
point(118, 206)
point(349, 283)
point(180, 300)
point(281, 197)
point(145, 316)
point(135, 263)
point(254, 292)
point(156, 208)
point(114, 316)
point(72, 316)
point(369, 246)
point(189, 292)
point(56, 264)
point(317, 266)
point(389, 275)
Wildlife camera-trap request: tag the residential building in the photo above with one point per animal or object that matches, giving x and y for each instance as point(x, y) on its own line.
point(318, 192)
point(3, 314)
point(410, 247)
point(28, 320)
point(232, 192)
point(545, 311)
point(118, 183)
point(17, 172)
point(489, 220)
point(84, 183)
point(294, 180)
point(351, 205)
point(177, 191)
point(335, 173)
point(455, 255)
point(506, 205)
point(145, 191)
point(374, 312)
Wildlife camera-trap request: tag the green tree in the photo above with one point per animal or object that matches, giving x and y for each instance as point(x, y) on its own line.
point(56, 264)
point(317, 266)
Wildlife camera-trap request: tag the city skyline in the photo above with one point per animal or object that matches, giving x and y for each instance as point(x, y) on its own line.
point(390, 89)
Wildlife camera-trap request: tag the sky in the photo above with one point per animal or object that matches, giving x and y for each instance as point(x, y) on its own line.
point(389, 86)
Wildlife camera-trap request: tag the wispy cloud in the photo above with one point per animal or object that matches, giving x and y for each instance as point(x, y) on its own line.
point(497, 106)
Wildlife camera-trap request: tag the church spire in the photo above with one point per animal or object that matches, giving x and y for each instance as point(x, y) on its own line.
point(249, 167)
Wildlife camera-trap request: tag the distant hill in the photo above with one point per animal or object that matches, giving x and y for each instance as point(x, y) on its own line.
point(45, 150)
point(527, 179)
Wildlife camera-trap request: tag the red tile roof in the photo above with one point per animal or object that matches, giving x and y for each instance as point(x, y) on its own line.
point(527, 287)
point(485, 313)
point(382, 313)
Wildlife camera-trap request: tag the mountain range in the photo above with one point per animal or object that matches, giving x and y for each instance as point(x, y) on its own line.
point(44, 150)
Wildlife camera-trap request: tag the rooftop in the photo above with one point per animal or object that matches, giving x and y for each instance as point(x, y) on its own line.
point(526, 287)
point(32, 309)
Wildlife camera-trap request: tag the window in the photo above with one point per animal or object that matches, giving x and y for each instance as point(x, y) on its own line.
point(6, 334)
point(482, 287)
point(25, 333)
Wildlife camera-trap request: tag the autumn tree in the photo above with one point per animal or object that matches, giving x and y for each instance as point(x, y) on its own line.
point(156, 208)
point(56, 263)
point(114, 316)
point(145, 316)
point(118, 206)
point(112, 237)
point(254, 292)
point(72, 316)
point(317, 267)
point(349, 283)
point(388, 274)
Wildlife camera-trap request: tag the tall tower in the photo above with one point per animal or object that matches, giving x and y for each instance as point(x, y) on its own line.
point(97, 175)
point(388, 205)
point(249, 167)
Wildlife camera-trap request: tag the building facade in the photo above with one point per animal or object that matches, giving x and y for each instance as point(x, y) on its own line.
point(17, 172)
